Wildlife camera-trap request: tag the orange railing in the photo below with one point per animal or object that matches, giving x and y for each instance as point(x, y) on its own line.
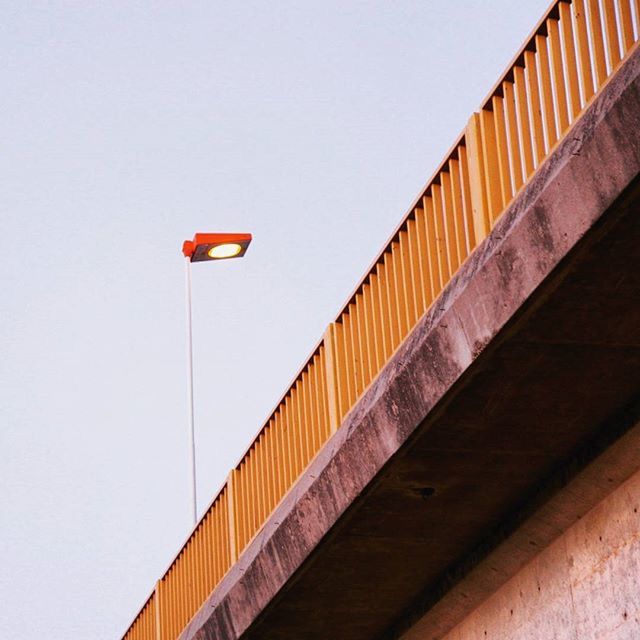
point(145, 625)
point(292, 436)
point(567, 59)
point(428, 248)
point(200, 565)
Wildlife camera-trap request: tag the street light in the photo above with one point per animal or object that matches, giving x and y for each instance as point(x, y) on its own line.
point(205, 247)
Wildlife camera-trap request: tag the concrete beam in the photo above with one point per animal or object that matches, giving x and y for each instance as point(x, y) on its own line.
point(563, 502)
point(582, 585)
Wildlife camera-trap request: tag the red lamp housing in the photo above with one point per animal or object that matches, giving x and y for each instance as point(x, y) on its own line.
point(203, 244)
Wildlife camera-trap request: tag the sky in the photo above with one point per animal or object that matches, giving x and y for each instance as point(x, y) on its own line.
point(126, 127)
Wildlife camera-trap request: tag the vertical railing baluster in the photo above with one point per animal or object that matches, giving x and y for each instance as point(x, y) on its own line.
point(450, 245)
point(475, 161)
point(457, 212)
point(535, 109)
point(597, 42)
point(500, 132)
point(558, 75)
point(569, 44)
point(332, 373)
point(467, 206)
point(157, 597)
point(417, 271)
point(513, 149)
point(584, 55)
point(546, 88)
point(626, 19)
point(611, 30)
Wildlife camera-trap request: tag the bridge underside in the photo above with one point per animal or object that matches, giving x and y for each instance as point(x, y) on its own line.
point(525, 371)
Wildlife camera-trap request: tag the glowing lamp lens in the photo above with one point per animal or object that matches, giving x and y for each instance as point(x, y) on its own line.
point(225, 250)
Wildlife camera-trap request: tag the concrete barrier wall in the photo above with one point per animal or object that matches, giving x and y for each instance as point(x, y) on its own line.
point(585, 585)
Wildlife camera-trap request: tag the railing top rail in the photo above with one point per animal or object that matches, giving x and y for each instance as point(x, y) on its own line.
point(529, 42)
point(314, 351)
point(403, 222)
point(530, 39)
point(189, 535)
point(141, 609)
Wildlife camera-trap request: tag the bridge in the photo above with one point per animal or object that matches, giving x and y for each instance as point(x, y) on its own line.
point(459, 457)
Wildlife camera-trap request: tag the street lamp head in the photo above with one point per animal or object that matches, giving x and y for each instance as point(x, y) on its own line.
point(216, 246)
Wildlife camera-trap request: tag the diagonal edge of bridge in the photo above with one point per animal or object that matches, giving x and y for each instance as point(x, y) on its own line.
point(566, 207)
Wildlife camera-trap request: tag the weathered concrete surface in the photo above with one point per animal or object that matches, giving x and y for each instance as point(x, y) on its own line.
point(565, 499)
point(533, 347)
point(585, 585)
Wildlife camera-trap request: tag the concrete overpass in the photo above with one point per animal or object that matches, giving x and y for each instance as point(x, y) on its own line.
point(486, 480)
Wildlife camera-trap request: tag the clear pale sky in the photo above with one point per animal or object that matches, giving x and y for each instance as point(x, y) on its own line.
point(126, 127)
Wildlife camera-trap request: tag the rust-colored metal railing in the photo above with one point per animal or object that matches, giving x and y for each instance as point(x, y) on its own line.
point(292, 436)
point(145, 625)
point(569, 56)
point(205, 557)
point(432, 242)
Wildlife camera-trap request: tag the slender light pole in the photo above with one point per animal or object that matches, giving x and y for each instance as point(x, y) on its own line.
point(192, 440)
point(204, 247)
